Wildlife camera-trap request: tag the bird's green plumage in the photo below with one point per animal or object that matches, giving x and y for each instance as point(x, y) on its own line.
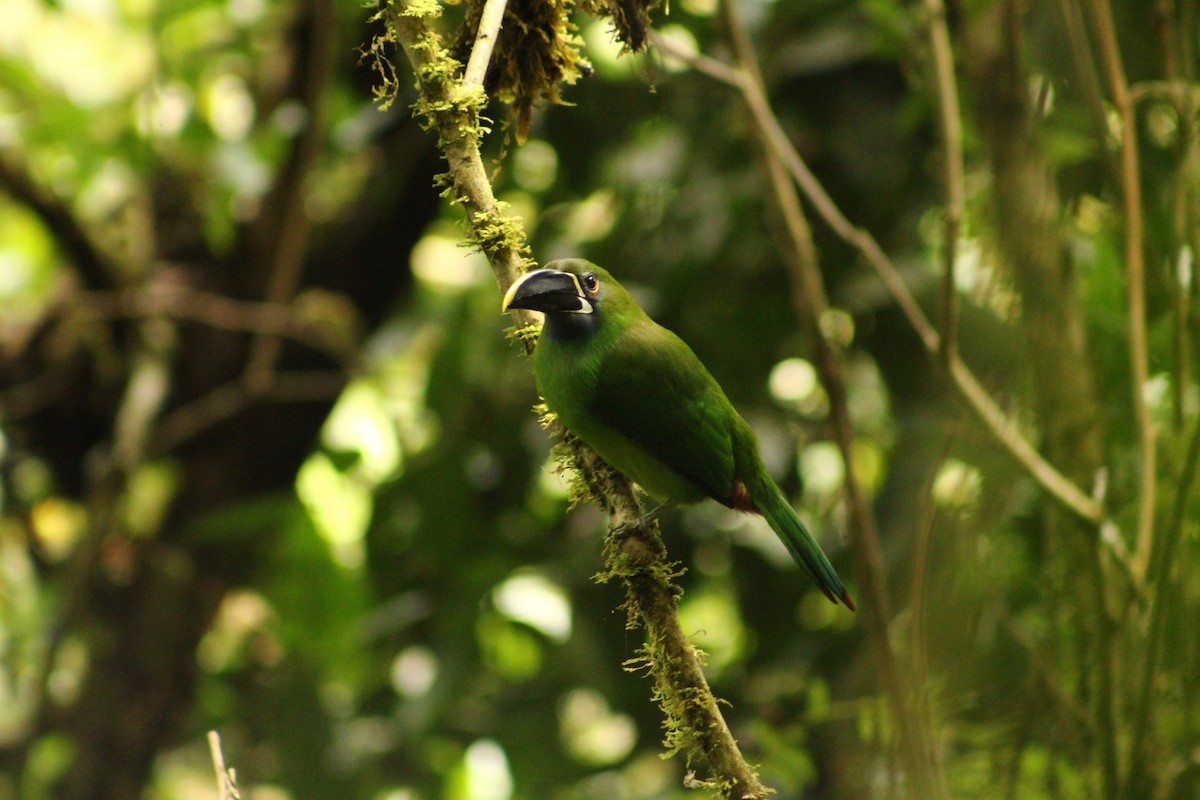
point(640, 397)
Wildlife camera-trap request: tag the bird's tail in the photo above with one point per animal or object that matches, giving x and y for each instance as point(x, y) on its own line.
point(782, 518)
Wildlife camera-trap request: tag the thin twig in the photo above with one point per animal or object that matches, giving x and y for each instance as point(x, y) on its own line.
point(1164, 560)
point(214, 310)
point(230, 399)
point(810, 301)
point(1166, 544)
point(146, 392)
point(1135, 268)
point(485, 41)
point(227, 788)
point(281, 234)
point(1086, 81)
point(813, 190)
point(96, 267)
point(950, 126)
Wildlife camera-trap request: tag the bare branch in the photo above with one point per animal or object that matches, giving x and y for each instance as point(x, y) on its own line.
point(950, 125)
point(1003, 429)
point(1135, 269)
point(206, 411)
point(216, 311)
point(810, 301)
point(95, 266)
point(230, 399)
point(227, 788)
point(485, 41)
point(281, 235)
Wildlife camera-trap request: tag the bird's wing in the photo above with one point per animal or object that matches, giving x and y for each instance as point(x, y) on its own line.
point(653, 390)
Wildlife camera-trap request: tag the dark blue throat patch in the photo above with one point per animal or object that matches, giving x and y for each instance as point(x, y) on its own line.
point(566, 326)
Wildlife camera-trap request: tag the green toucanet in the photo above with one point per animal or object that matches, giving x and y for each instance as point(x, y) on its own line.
point(637, 394)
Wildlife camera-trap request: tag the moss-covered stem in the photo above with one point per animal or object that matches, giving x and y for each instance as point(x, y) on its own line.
point(634, 552)
point(453, 110)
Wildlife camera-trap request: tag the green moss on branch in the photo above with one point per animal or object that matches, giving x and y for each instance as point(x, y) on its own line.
point(634, 553)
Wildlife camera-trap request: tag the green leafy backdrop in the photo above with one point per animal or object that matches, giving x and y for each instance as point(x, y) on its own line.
point(268, 464)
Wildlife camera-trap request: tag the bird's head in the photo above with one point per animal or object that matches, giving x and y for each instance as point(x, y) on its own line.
point(571, 292)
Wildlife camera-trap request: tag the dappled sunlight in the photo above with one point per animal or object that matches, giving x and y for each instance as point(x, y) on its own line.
point(535, 165)
point(90, 52)
point(228, 106)
point(537, 601)
point(414, 671)
point(482, 774)
point(442, 263)
point(957, 484)
point(709, 615)
point(340, 507)
point(823, 469)
point(794, 383)
point(58, 524)
point(273, 464)
point(593, 733)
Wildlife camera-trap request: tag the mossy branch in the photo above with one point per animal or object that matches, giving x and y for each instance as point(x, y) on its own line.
point(634, 554)
point(454, 112)
point(633, 550)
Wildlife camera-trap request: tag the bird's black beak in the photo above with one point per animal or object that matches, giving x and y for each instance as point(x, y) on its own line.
point(547, 290)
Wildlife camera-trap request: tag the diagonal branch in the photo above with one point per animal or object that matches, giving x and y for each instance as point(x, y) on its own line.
point(634, 553)
point(185, 423)
point(1002, 428)
point(96, 267)
point(811, 305)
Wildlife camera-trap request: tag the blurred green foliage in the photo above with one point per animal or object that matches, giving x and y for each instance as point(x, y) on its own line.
point(410, 611)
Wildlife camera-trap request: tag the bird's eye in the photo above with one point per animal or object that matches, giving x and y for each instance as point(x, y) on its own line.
point(591, 283)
